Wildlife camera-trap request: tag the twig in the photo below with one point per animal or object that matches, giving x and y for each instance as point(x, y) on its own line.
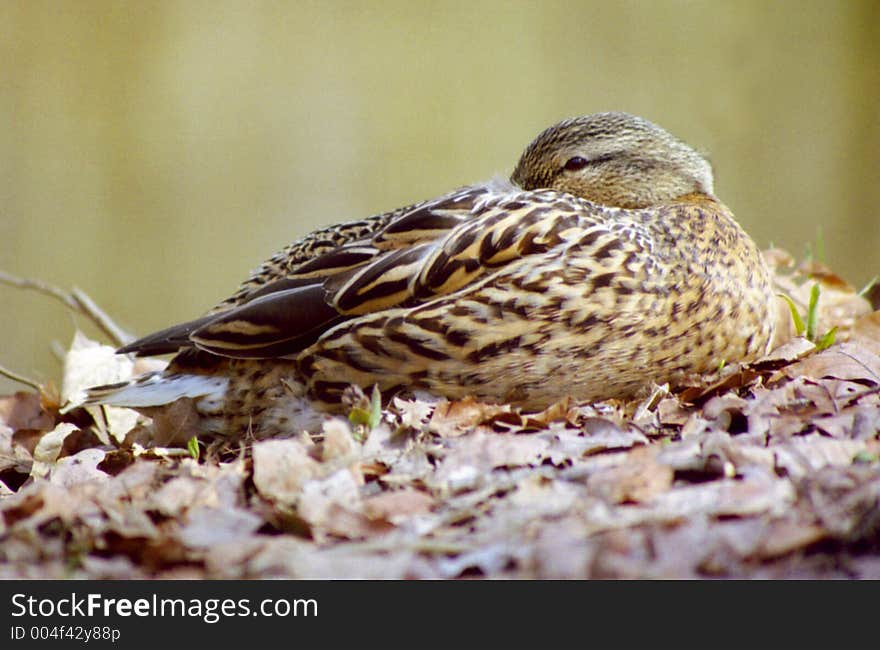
point(22, 380)
point(89, 307)
point(77, 300)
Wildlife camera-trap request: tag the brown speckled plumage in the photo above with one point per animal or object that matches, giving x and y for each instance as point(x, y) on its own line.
point(606, 264)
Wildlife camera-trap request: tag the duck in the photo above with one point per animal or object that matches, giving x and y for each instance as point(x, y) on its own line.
point(603, 265)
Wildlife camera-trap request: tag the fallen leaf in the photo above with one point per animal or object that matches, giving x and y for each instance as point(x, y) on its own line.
point(339, 443)
point(80, 468)
point(177, 495)
point(846, 500)
point(173, 424)
point(413, 413)
point(87, 364)
point(866, 331)
point(451, 419)
point(332, 506)
point(799, 457)
point(637, 480)
point(282, 468)
point(397, 504)
point(485, 451)
point(48, 448)
point(207, 526)
point(840, 361)
point(24, 410)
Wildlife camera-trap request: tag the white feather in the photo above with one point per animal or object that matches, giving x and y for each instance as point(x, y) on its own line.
point(159, 389)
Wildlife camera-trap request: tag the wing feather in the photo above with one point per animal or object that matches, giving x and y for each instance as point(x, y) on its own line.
point(436, 249)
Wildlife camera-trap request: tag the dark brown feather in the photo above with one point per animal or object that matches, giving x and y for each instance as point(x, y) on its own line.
point(277, 324)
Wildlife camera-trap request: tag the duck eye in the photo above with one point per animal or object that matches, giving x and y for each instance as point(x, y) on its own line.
point(576, 163)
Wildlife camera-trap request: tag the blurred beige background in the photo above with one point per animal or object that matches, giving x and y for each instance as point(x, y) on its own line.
point(153, 153)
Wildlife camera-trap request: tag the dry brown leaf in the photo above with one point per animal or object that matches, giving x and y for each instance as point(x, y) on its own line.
point(866, 332)
point(14, 456)
point(173, 424)
point(398, 504)
point(805, 454)
point(413, 413)
point(842, 361)
point(562, 550)
point(339, 443)
point(487, 560)
point(23, 410)
point(482, 451)
point(778, 259)
point(282, 468)
point(792, 350)
point(560, 411)
point(602, 434)
point(451, 419)
point(547, 497)
point(48, 449)
point(856, 423)
point(333, 507)
point(80, 468)
point(569, 444)
point(741, 376)
point(823, 273)
point(41, 502)
point(846, 500)
point(7, 459)
point(638, 479)
point(207, 526)
point(786, 536)
point(671, 411)
point(177, 495)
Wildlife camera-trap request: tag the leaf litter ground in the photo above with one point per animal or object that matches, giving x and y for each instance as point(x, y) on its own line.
point(762, 470)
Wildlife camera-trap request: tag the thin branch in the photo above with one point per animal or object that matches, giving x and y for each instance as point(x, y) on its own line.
point(76, 300)
point(100, 318)
point(20, 379)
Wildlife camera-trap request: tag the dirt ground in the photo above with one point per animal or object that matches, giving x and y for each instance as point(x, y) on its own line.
point(764, 470)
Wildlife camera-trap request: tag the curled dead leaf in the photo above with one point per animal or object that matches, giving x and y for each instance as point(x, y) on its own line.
point(456, 418)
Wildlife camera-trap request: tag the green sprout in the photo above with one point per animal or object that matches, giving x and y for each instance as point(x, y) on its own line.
point(812, 313)
point(865, 457)
point(366, 419)
point(806, 325)
point(192, 445)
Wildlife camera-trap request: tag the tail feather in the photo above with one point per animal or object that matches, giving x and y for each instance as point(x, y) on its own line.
point(157, 389)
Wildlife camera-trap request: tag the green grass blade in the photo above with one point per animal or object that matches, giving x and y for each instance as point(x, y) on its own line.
point(375, 408)
point(192, 445)
point(799, 326)
point(813, 313)
point(827, 339)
